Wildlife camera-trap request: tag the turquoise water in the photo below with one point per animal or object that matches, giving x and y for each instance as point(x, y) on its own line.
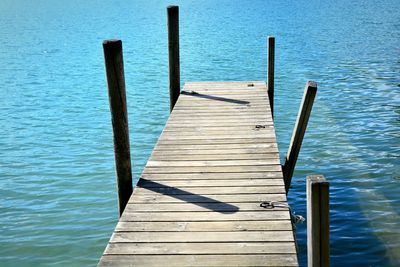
point(58, 200)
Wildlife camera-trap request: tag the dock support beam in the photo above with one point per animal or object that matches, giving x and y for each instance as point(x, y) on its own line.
point(271, 72)
point(317, 221)
point(298, 132)
point(173, 53)
point(119, 115)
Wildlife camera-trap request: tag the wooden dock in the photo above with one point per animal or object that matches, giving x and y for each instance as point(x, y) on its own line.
point(197, 202)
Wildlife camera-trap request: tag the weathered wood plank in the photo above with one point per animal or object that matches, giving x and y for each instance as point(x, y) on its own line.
point(251, 105)
point(191, 124)
point(221, 114)
point(211, 97)
point(228, 86)
point(239, 92)
point(223, 106)
point(199, 260)
point(186, 207)
point(219, 109)
point(210, 226)
point(218, 129)
point(215, 163)
point(227, 157)
point(168, 150)
point(201, 248)
point(220, 147)
point(178, 237)
point(216, 120)
point(205, 122)
point(257, 136)
point(214, 182)
point(212, 176)
point(204, 216)
point(250, 140)
point(206, 198)
point(211, 190)
point(221, 101)
point(215, 169)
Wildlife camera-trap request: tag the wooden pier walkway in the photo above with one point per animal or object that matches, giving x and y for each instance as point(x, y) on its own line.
point(197, 202)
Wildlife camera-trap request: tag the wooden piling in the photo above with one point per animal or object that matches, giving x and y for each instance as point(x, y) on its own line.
point(117, 98)
point(317, 221)
point(271, 71)
point(298, 132)
point(173, 52)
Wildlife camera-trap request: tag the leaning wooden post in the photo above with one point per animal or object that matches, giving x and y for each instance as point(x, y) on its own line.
point(298, 132)
point(119, 115)
point(173, 52)
point(317, 221)
point(271, 71)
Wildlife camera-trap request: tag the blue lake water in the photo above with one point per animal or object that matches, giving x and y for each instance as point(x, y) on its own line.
point(58, 203)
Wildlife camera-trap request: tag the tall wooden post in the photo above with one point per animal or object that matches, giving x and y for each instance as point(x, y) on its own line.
point(271, 71)
point(173, 52)
point(298, 132)
point(117, 97)
point(317, 221)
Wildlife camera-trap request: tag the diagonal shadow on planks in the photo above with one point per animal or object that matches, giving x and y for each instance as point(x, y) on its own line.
point(218, 98)
point(188, 197)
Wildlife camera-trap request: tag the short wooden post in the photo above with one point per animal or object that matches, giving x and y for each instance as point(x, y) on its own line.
point(117, 97)
point(173, 52)
point(317, 221)
point(271, 71)
point(298, 133)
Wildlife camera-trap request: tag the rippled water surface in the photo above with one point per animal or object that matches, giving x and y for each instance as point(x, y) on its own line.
point(58, 200)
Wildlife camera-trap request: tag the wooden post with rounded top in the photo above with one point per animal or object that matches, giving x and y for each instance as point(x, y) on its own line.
point(119, 115)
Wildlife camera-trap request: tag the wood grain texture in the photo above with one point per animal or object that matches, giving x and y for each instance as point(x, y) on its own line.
point(271, 71)
point(317, 221)
point(146, 237)
point(163, 260)
point(173, 55)
point(299, 131)
point(208, 226)
point(119, 117)
point(197, 202)
point(207, 198)
point(213, 176)
point(214, 182)
point(201, 248)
